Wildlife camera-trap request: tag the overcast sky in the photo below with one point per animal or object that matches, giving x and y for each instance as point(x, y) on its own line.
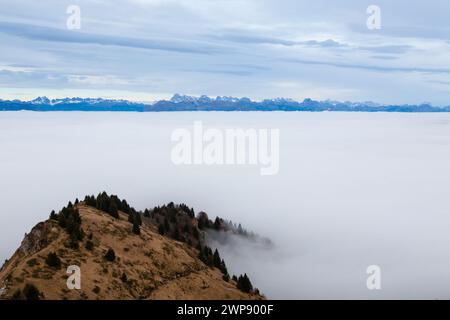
point(149, 49)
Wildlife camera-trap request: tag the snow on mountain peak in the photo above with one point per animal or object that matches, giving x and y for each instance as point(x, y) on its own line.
point(41, 100)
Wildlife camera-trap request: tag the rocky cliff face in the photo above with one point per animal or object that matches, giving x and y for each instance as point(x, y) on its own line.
point(39, 237)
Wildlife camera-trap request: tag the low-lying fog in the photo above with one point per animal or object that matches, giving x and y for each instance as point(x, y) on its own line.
point(353, 190)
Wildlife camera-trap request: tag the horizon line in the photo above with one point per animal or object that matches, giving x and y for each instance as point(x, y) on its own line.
point(215, 98)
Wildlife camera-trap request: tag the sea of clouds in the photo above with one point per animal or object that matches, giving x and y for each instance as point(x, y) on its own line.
point(353, 190)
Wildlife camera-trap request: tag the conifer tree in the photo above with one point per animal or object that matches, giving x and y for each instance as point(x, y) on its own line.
point(166, 225)
point(136, 228)
point(112, 209)
point(195, 233)
point(110, 255)
point(138, 218)
point(217, 261)
point(53, 261)
point(244, 284)
point(31, 292)
point(161, 229)
point(223, 267)
point(176, 233)
point(53, 215)
point(89, 245)
point(217, 223)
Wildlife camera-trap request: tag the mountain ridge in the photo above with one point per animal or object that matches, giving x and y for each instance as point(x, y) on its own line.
point(204, 103)
point(122, 254)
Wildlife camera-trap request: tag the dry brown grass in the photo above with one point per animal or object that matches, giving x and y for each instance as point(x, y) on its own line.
point(156, 267)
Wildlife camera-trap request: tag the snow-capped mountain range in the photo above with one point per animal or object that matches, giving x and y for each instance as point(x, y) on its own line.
point(204, 103)
point(75, 100)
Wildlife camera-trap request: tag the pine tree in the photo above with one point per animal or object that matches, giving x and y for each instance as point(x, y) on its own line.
point(217, 223)
point(166, 225)
point(103, 202)
point(62, 219)
point(244, 284)
point(136, 228)
point(31, 292)
point(17, 295)
point(195, 233)
point(217, 261)
point(90, 201)
point(125, 207)
point(201, 256)
point(223, 267)
point(73, 241)
point(138, 218)
point(112, 209)
point(203, 221)
point(161, 229)
point(89, 245)
point(53, 215)
point(176, 233)
point(110, 255)
point(208, 256)
point(69, 219)
point(53, 261)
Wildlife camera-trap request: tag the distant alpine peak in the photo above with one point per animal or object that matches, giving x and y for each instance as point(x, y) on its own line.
point(280, 100)
point(75, 100)
point(41, 100)
point(178, 98)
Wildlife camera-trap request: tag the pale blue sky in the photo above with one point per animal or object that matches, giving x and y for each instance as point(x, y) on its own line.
point(149, 49)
